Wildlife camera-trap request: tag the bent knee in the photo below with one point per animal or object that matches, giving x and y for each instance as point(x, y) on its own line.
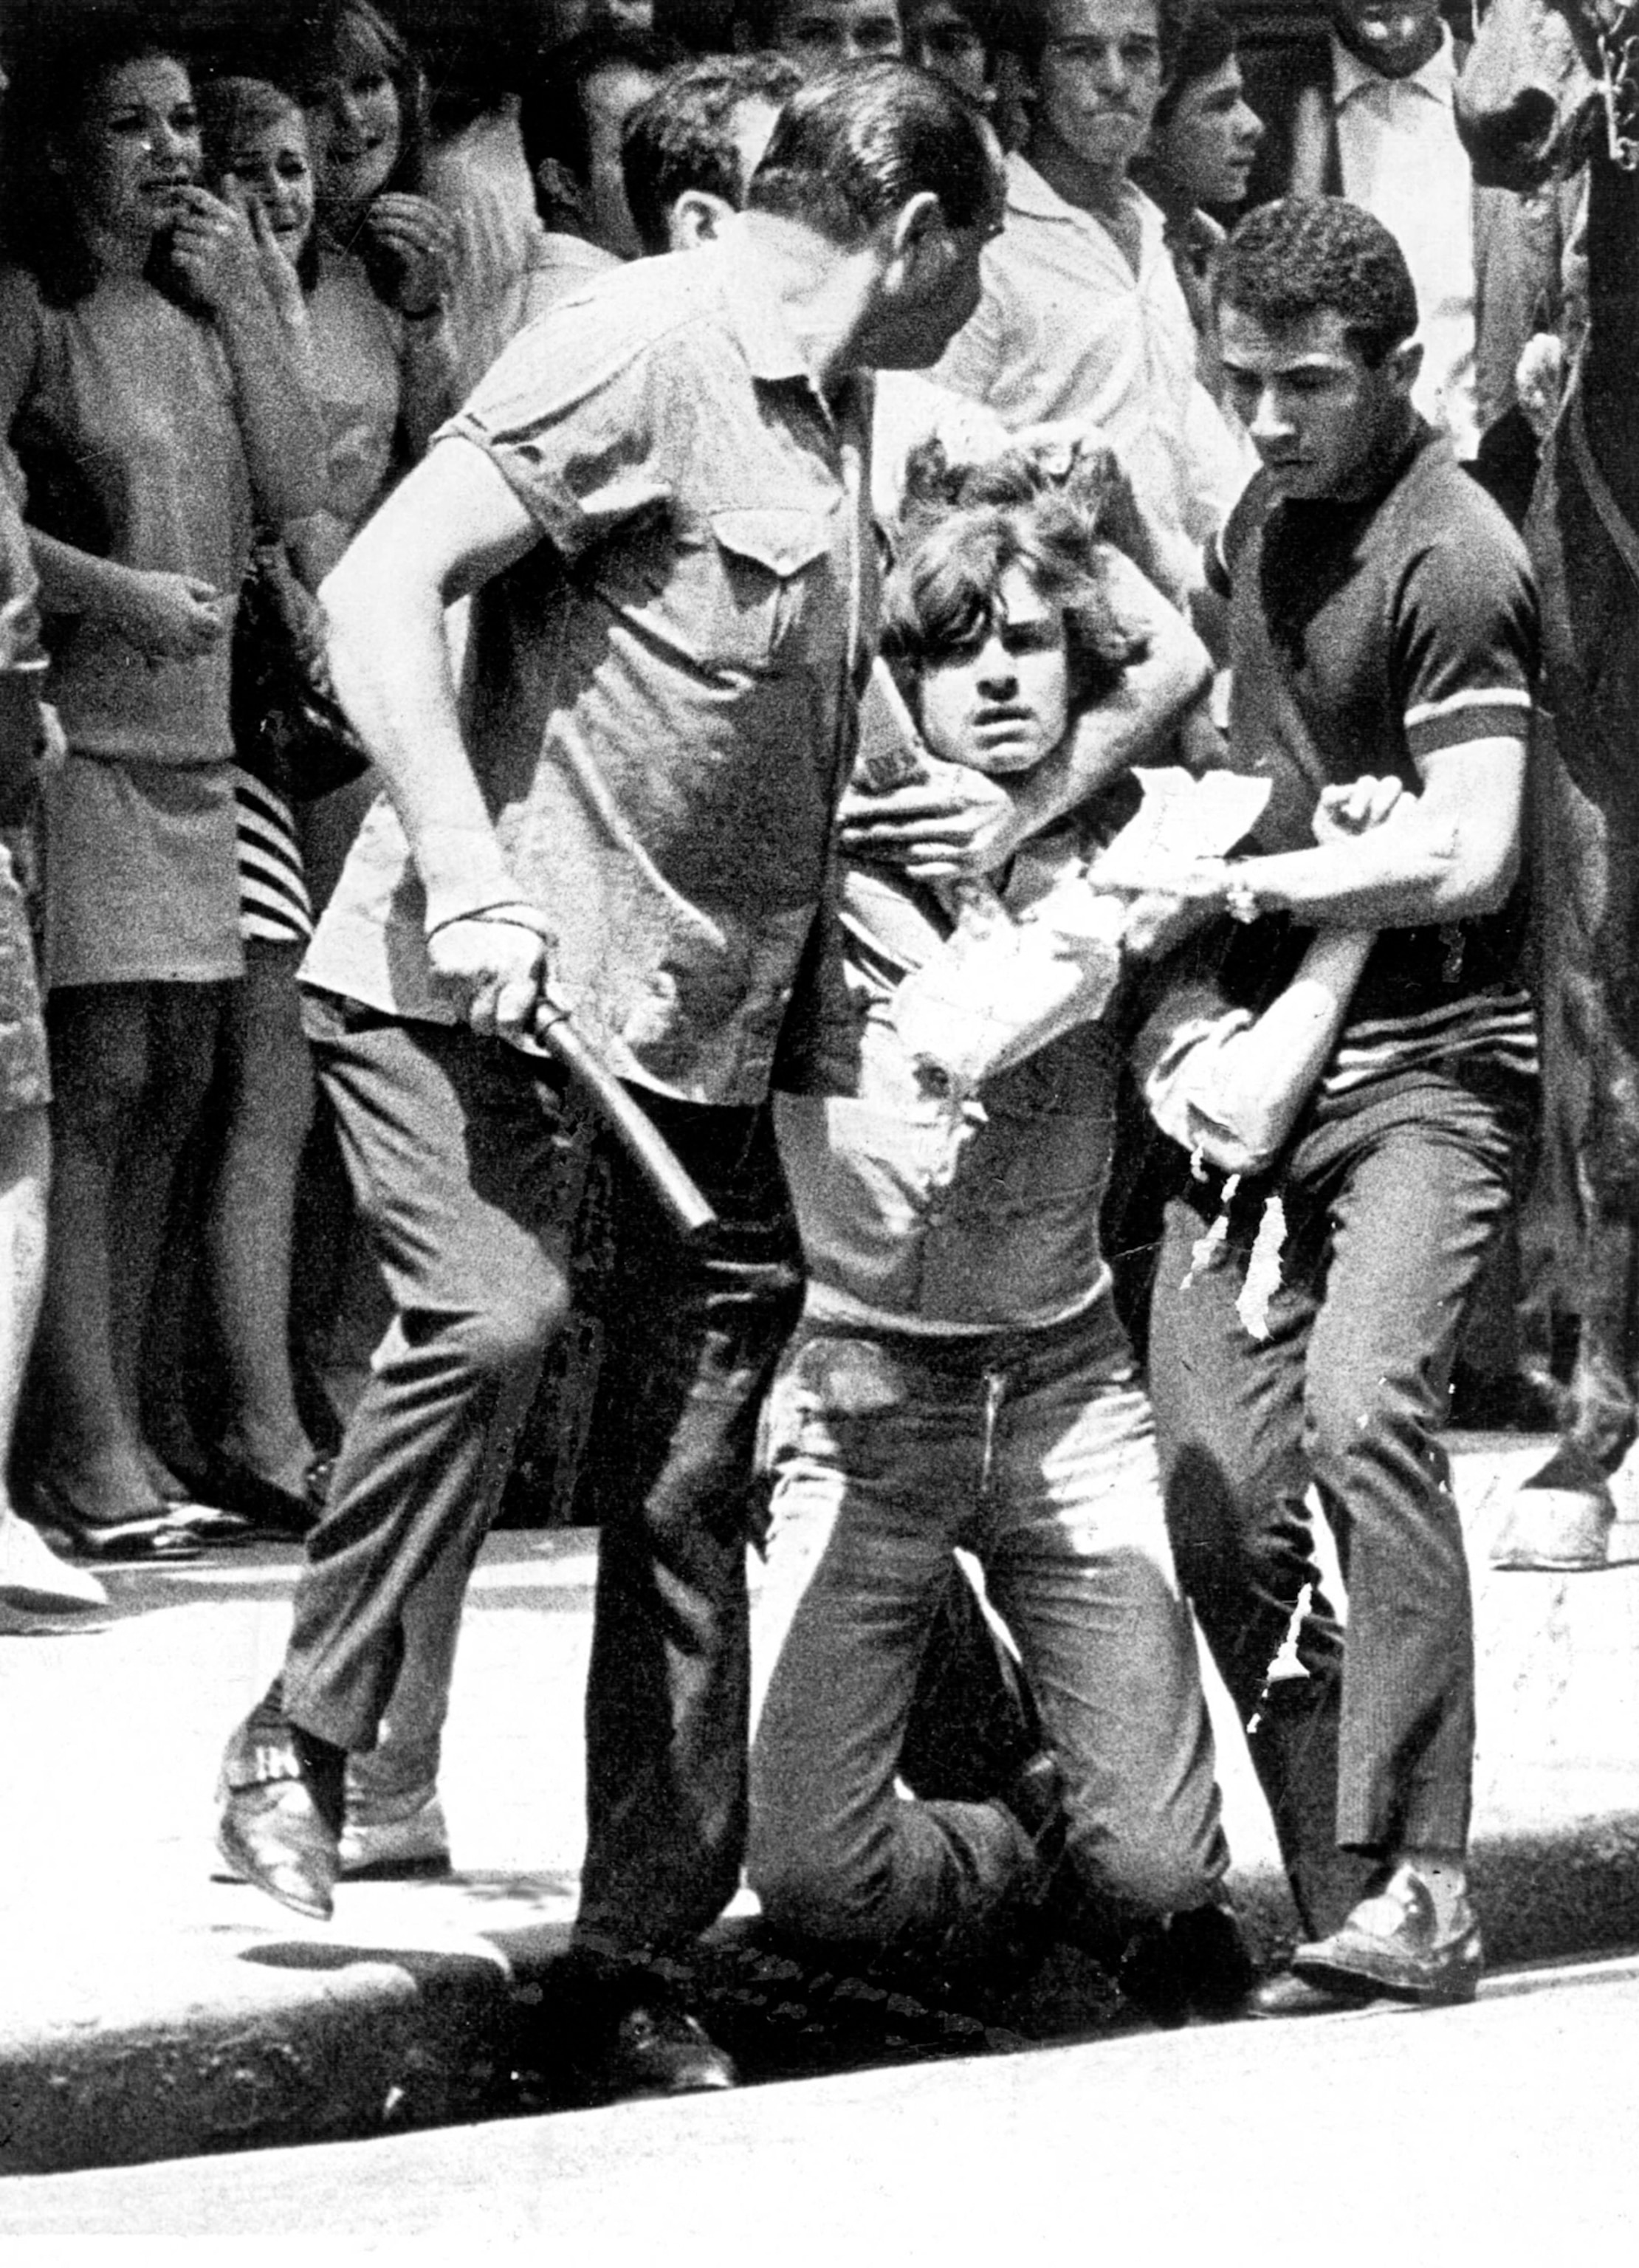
point(499, 1336)
point(1391, 1415)
point(1150, 1871)
point(808, 1886)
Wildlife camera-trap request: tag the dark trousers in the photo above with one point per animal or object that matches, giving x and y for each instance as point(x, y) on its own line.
point(1388, 1213)
point(467, 1167)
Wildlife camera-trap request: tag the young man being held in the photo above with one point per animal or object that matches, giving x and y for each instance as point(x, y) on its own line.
point(961, 1377)
point(1304, 1320)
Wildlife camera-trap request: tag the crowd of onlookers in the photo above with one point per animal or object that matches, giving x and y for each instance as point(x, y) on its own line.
point(242, 290)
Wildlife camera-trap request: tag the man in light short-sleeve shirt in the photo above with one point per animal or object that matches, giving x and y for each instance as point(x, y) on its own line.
point(660, 501)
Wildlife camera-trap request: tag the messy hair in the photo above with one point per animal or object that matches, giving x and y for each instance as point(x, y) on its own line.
point(965, 525)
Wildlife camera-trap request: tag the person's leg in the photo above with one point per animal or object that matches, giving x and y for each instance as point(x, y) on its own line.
point(38, 1592)
point(1078, 1560)
point(1229, 1417)
point(117, 1128)
point(691, 1353)
point(462, 1166)
point(1413, 1207)
point(878, 1456)
point(1413, 1214)
point(267, 1109)
point(466, 1174)
point(184, 1026)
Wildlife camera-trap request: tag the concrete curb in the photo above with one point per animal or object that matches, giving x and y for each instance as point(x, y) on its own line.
point(304, 2043)
point(147, 2012)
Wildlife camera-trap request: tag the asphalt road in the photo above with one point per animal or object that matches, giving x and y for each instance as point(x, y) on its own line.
point(1506, 2133)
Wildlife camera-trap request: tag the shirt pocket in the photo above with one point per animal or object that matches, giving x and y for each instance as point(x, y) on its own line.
point(769, 567)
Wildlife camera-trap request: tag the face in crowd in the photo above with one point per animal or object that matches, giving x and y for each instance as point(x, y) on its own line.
point(1396, 37)
point(1321, 416)
point(1002, 703)
point(1210, 138)
point(819, 33)
point(608, 97)
point(269, 158)
point(937, 285)
point(355, 129)
point(1099, 80)
point(133, 147)
point(939, 37)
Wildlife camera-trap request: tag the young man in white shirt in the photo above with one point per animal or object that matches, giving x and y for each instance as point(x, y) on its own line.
point(1083, 316)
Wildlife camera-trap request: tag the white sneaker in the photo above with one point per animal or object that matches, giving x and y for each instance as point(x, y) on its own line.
point(396, 1834)
point(40, 1594)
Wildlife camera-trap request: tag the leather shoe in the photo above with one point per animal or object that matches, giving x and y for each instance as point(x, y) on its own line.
point(1391, 1944)
point(657, 2048)
point(1194, 1964)
point(282, 1801)
point(1035, 1796)
point(1283, 1994)
point(629, 2037)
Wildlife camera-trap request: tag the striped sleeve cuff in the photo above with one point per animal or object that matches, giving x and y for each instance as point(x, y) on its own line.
point(1479, 712)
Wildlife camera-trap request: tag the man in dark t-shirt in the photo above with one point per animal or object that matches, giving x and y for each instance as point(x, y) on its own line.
point(1307, 1314)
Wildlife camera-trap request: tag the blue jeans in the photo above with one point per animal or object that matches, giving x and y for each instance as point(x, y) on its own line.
point(467, 1170)
point(1034, 1450)
point(1389, 1209)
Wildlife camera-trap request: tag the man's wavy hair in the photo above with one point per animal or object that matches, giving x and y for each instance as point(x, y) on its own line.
point(1304, 256)
point(682, 136)
point(855, 144)
point(965, 525)
point(1202, 42)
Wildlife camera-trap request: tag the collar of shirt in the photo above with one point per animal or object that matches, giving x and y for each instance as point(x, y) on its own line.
point(566, 255)
point(1436, 79)
point(772, 355)
point(1028, 193)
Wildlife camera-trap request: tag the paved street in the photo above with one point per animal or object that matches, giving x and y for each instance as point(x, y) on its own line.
point(150, 2009)
point(1503, 2133)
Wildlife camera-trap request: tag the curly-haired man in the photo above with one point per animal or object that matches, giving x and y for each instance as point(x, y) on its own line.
point(1383, 621)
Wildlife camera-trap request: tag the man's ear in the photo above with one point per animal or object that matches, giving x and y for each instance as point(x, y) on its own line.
point(916, 231)
point(1404, 364)
point(557, 187)
point(696, 218)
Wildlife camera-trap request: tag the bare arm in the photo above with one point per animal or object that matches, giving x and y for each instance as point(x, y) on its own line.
point(167, 617)
point(450, 526)
point(1232, 1089)
point(1452, 853)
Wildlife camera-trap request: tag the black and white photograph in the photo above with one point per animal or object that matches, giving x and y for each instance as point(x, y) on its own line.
point(819, 1130)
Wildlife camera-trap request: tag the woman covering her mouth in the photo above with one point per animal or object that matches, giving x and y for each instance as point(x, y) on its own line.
point(379, 382)
point(365, 101)
point(158, 410)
